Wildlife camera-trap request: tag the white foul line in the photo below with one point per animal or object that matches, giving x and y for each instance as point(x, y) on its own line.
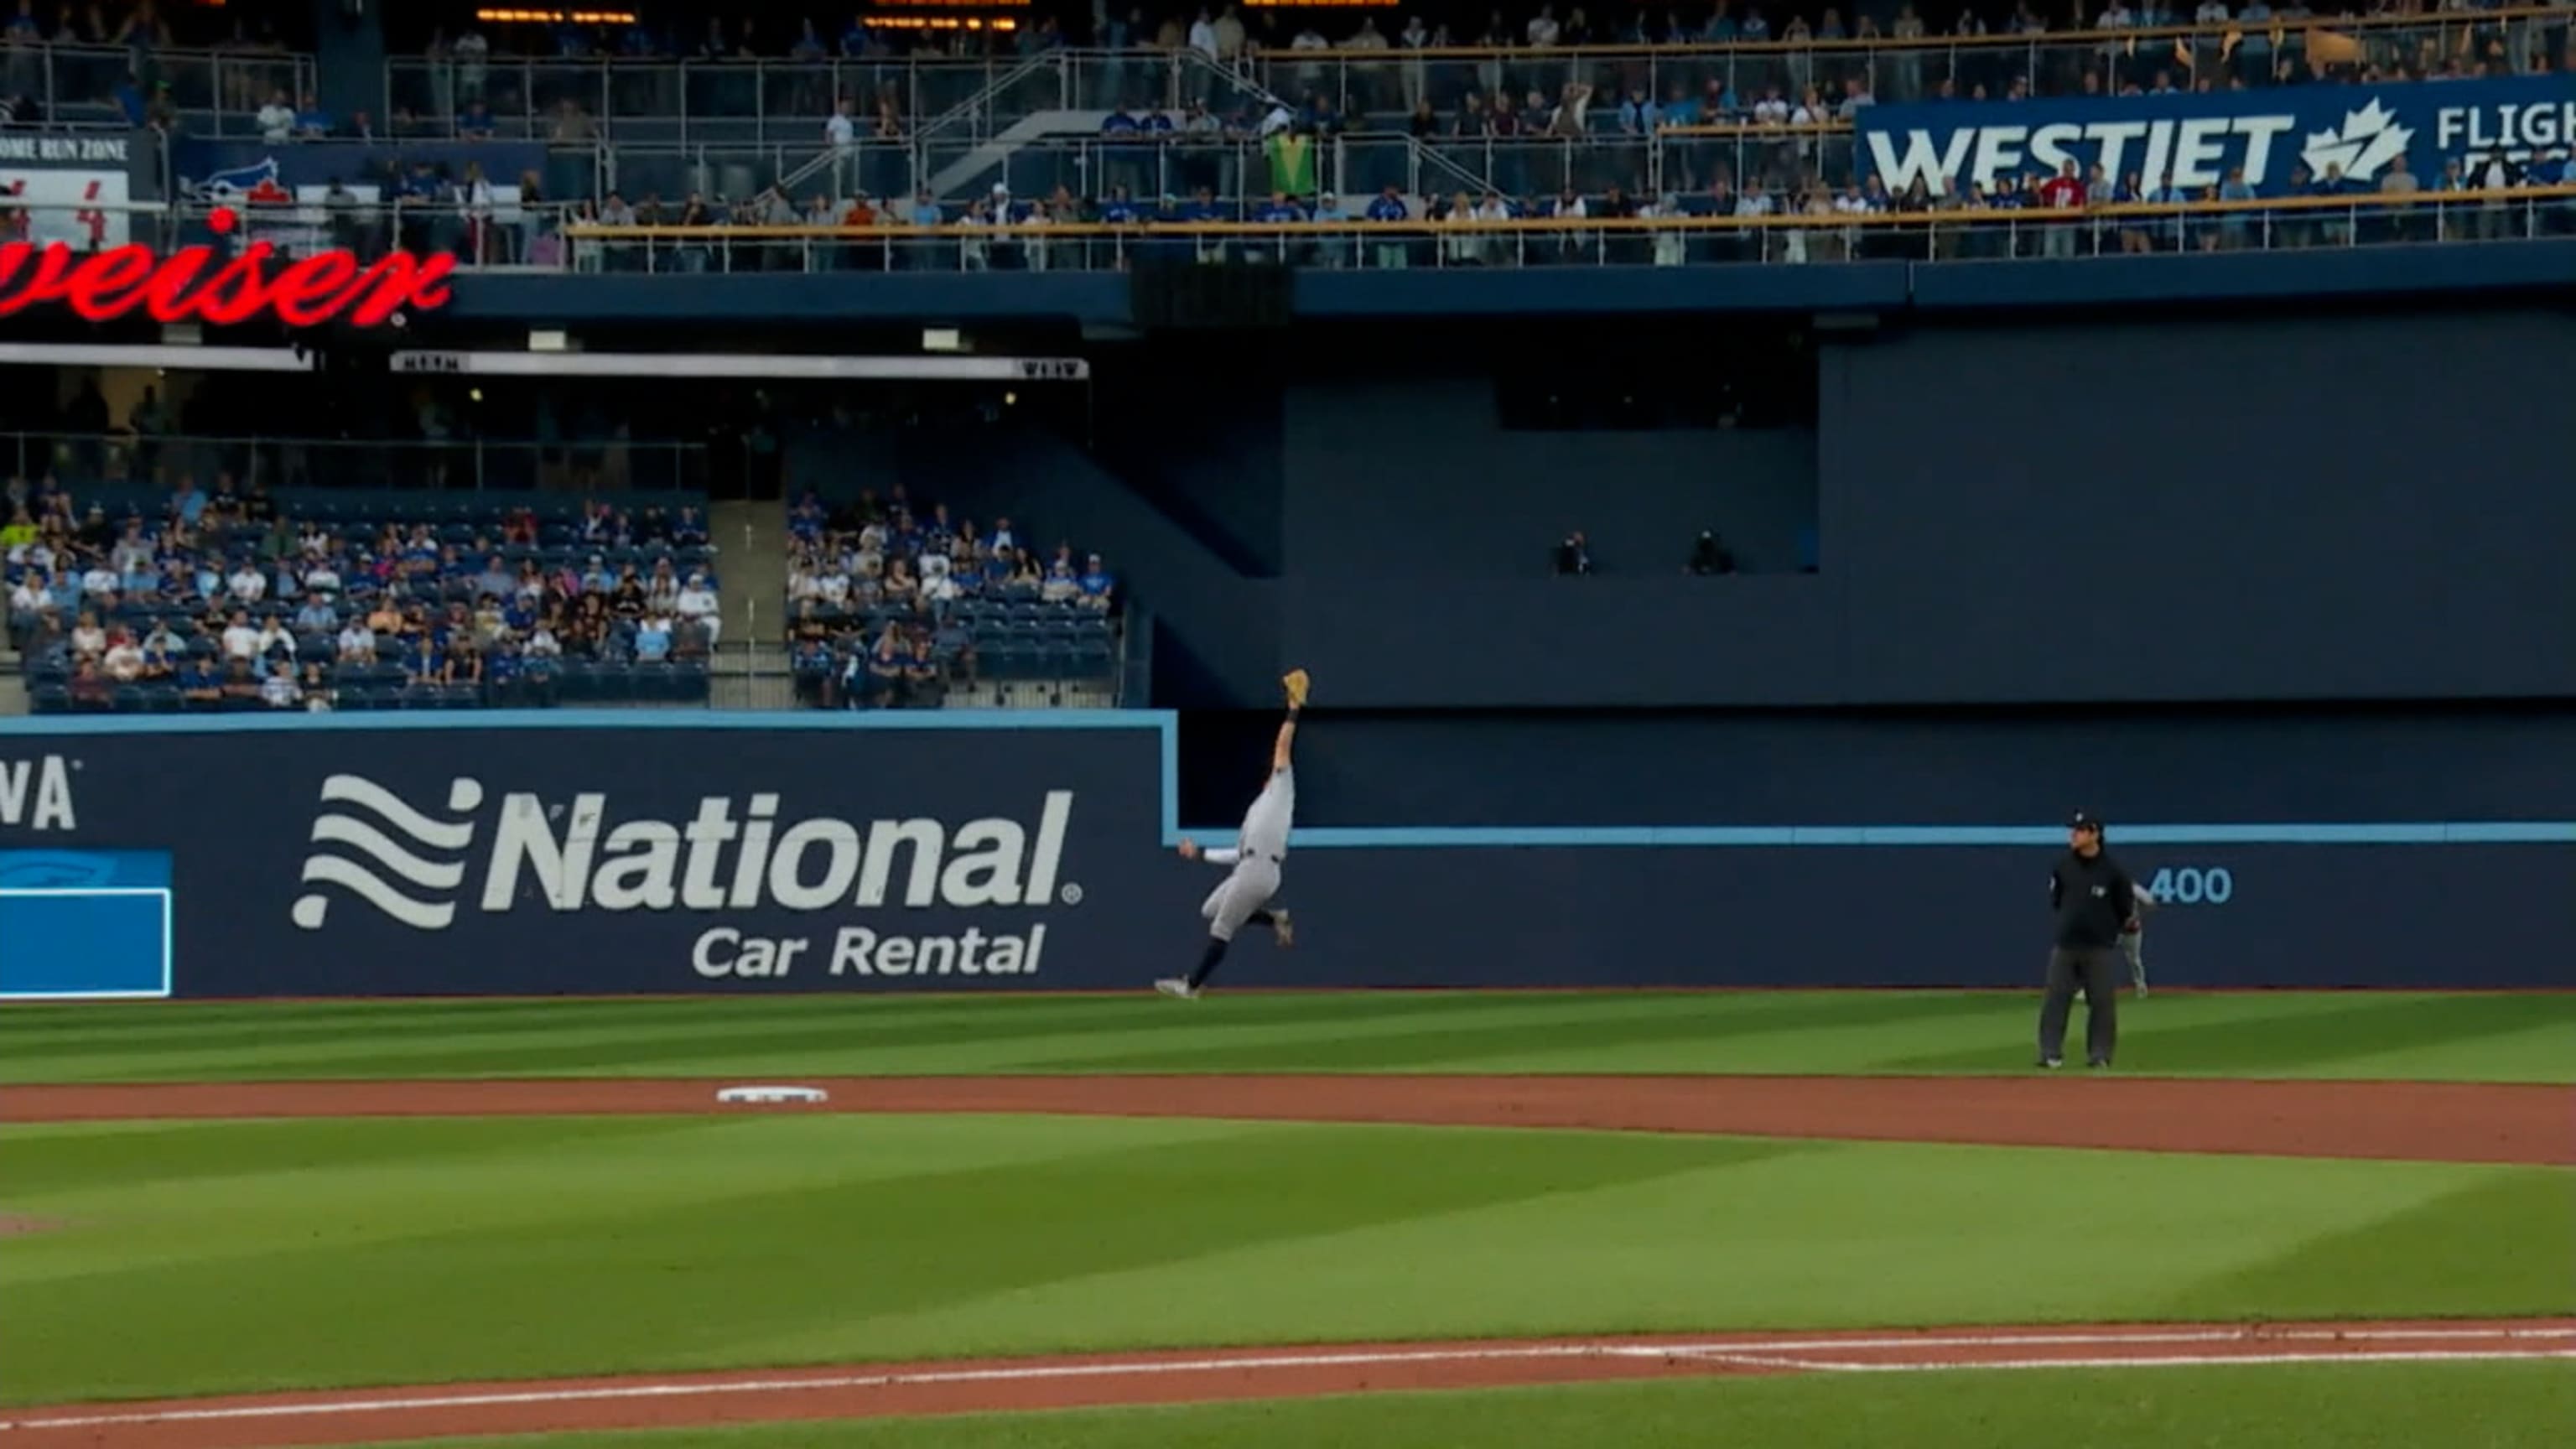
point(1750, 1352)
point(2204, 1360)
point(1750, 1360)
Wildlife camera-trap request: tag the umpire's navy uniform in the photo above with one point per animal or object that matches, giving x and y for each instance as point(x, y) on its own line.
point(2093, 900)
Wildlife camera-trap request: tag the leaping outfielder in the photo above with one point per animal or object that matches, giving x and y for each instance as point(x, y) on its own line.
point(1245, 897)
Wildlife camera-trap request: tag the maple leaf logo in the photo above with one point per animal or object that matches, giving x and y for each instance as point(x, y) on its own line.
point(2369, 139)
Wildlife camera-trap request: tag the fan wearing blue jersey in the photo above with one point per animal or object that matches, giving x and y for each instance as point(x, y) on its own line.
point(1247, 895)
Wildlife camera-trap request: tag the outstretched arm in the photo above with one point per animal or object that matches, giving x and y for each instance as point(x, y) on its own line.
point(1296, 683)
point(1220, 855)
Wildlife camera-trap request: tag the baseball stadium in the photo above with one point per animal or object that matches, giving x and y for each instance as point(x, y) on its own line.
point(992, 725)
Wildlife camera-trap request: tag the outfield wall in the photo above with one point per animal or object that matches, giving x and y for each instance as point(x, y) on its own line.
point(2183, 529)
point(577, 852)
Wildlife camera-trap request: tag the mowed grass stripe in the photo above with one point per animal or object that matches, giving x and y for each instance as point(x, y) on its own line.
point(2321, 1033)
point(656, 1037)
point(2434, 1037)
point(226, 1025)
point(961, 1040)
point(2327, 1406)
point(405, 1250)
point(1642, 1030)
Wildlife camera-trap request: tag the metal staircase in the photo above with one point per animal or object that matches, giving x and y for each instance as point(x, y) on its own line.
point(750, 667)
point(974, 111)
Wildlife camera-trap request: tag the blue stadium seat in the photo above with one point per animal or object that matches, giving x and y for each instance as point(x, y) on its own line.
point(649, 683)
point(1014, 660)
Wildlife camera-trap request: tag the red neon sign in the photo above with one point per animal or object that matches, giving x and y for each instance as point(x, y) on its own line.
point(193, 284)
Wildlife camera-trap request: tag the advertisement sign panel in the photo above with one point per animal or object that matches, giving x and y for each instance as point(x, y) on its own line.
point(667, 854)
point(67, 188)
point(2197, 140)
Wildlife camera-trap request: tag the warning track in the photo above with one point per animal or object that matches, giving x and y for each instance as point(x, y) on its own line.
point(2415, 1121)
point(394, 1414)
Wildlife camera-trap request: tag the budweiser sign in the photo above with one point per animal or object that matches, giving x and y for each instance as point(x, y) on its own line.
point(195, 284)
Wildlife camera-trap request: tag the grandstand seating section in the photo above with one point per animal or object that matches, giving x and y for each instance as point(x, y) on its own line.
point(997, 628)
point(1655, 110)
point(472, 525)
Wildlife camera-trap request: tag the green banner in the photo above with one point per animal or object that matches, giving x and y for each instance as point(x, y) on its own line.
point(1292, 164)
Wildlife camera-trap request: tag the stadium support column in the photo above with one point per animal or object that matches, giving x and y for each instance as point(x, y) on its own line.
point(349, 54)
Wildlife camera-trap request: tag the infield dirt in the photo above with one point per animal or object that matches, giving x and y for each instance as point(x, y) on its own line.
point(2412, 1121)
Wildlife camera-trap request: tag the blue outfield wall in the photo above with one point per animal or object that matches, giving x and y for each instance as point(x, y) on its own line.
point(624, 852)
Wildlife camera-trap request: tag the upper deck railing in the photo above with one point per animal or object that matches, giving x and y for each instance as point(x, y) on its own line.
point(1954, 234)
point(208, 92)
point(1690, 231)
point(788, 101)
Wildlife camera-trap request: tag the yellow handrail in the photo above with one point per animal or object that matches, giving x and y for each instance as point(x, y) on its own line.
point(1753, 130)
point(1960, 216)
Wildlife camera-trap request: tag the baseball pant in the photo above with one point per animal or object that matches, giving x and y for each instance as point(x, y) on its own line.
point(1247, 889)
point(2090, 969)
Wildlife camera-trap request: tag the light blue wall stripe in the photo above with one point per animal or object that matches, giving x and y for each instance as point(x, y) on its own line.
point(1775, 837)
point(1166, 726)
point(590, 719)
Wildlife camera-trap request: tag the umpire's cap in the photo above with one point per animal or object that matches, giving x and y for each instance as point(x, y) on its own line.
point(2084, 820)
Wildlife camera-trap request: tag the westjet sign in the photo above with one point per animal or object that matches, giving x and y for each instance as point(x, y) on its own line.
point(2357, 132)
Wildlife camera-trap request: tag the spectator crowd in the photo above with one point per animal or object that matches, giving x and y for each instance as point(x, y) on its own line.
point(1538, 71)
point(1538, 132)
point(890, 604)
point(225, 598)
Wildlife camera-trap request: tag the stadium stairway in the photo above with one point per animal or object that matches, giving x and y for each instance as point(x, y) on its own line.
point(970, 174)
point(13, 680)
point(750, 669)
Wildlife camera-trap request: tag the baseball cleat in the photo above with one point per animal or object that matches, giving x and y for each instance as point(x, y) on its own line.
point(2051, 1063)
point(2100, 1064)
point(1176, 986)
point(1287, 932)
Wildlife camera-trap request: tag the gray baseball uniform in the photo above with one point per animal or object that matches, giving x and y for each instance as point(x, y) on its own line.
point(1256, 855)
point(2133, 944)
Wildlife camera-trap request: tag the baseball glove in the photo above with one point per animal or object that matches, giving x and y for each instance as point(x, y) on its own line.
point(1296, 683)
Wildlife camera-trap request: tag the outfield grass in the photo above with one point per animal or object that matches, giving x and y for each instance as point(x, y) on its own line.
point(2374, 1406)
point(2395, 1035)
point(222, 1256)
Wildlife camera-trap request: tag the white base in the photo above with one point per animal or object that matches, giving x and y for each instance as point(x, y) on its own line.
point(762, 1095)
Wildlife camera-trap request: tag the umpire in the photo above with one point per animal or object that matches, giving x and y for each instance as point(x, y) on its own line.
point(2094, 901)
